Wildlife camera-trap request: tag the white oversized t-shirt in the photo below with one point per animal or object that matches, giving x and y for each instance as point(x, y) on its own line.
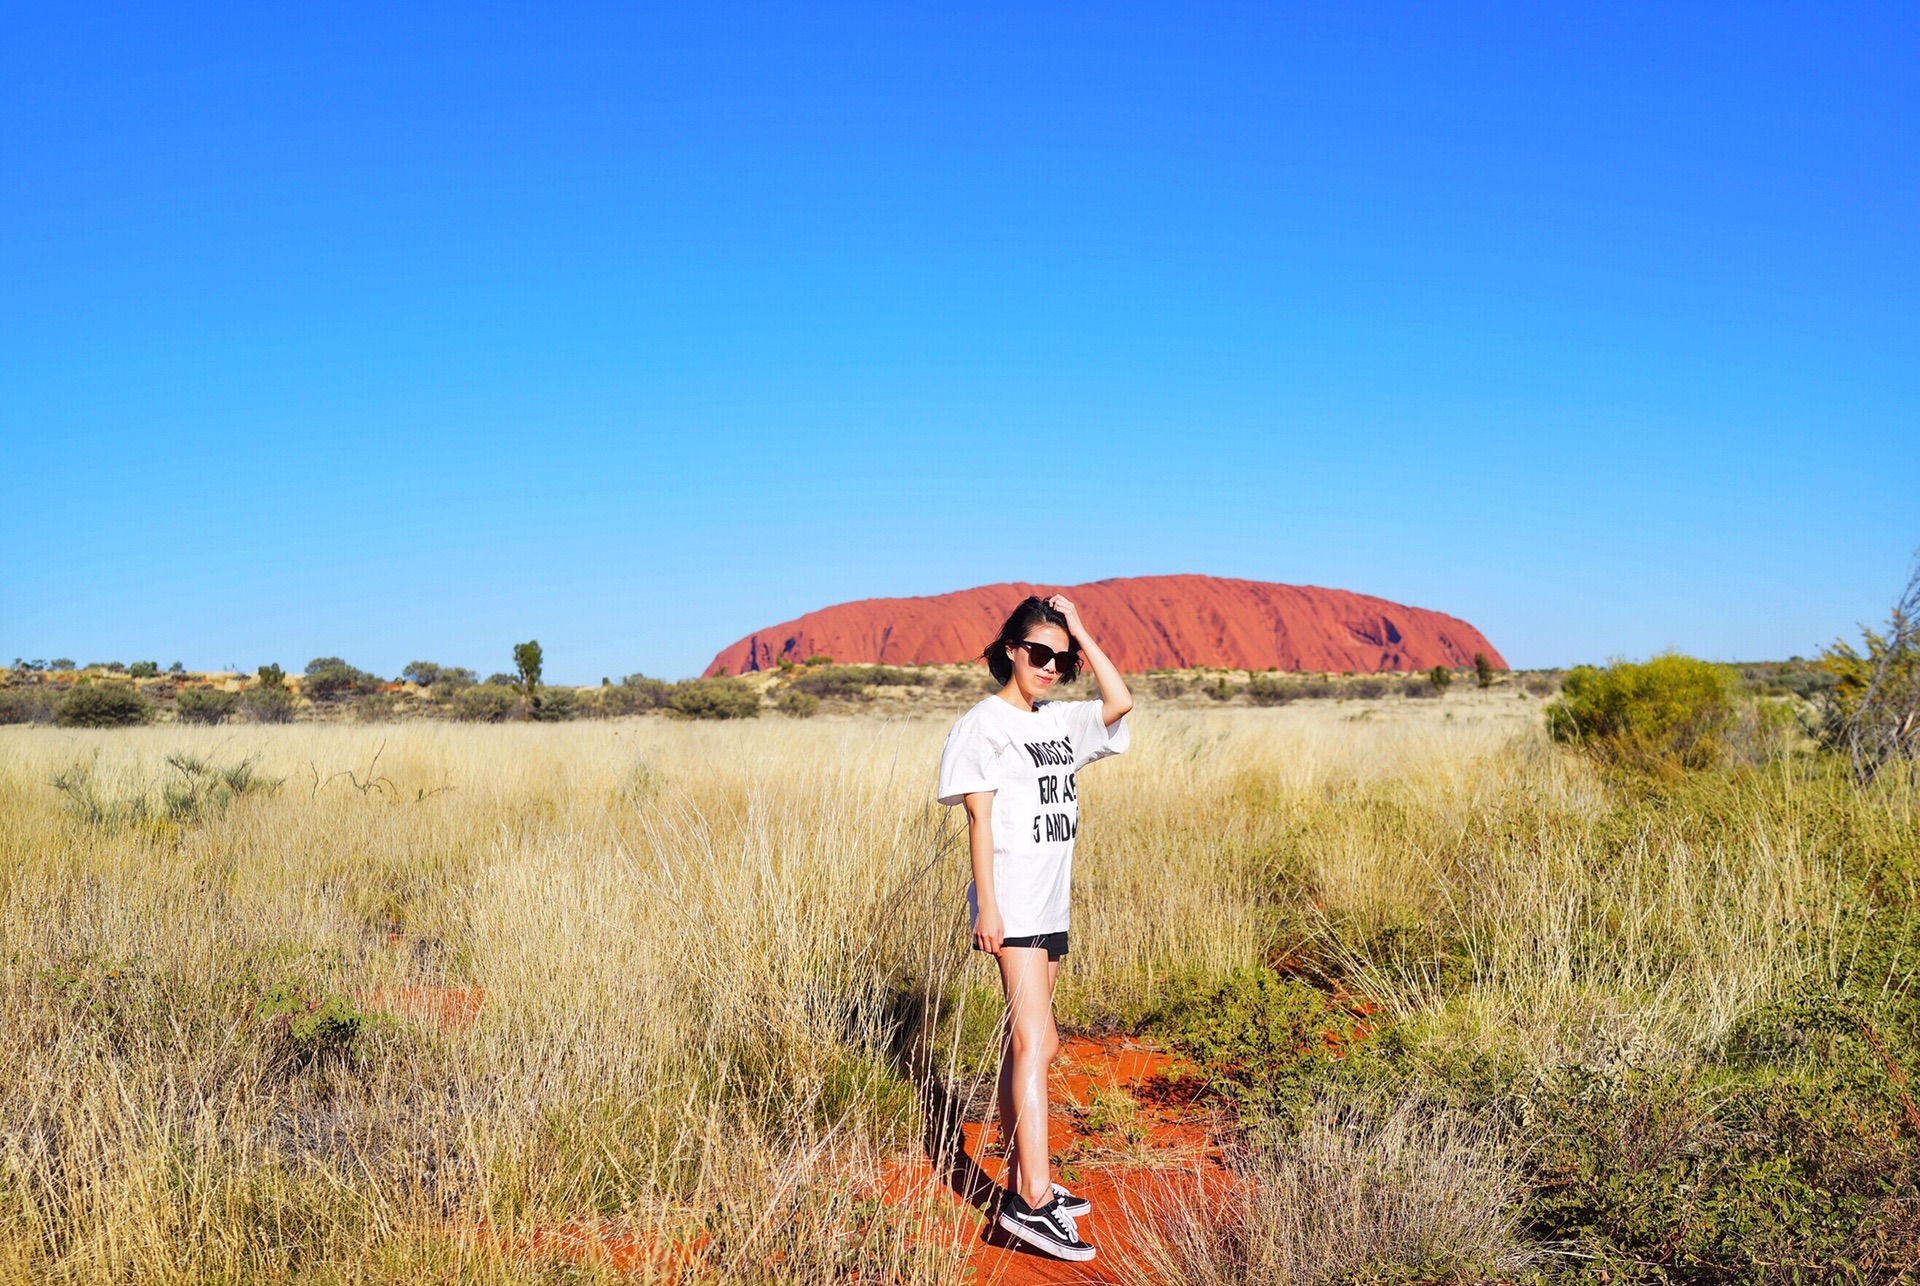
point(1028, 760)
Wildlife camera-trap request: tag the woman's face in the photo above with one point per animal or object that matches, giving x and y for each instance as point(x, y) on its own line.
point(1034, 681)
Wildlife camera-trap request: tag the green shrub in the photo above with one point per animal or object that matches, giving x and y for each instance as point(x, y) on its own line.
point(1256, 1037)
point(376, 707)
point(191, 790)
point(798, 705)
point(634, 694)
point(1873, 710)
point(331, 679)
point(850, 682)
point(1441, 678)
point(556, 705)
point(272, 676)
point(298, 1026)
point(1670, 712)
point(1419, 688)
point(720, 698)
point(27, 705)
point(206, 705)
point(1483, 669)
point(1265, 690)
point(487, 703)
point(1661, 1177)
point(268, 704)
point(103, 705)
point(60, 663)
point(143, 669)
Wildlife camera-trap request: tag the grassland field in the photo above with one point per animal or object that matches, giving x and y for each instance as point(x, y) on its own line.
point(1619, 1029)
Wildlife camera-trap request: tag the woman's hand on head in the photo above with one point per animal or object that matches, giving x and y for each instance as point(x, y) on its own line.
point(989, 931)
point(1064, 605)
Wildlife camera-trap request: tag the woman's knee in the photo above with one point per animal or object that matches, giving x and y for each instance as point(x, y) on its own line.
point(1036, 1042)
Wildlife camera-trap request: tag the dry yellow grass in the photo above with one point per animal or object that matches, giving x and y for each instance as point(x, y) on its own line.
point(705, 948)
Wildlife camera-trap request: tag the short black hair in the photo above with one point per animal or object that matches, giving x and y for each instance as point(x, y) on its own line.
point(1031, 612)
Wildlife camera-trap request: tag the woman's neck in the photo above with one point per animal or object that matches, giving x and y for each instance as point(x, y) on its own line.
point(1013, 696)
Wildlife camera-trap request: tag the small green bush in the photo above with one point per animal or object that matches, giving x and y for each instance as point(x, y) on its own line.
point(299, 1027)
point(143, 669)
point(556, 705)
point(1265, 690)
point(268, 704)
point(850, 682)
point(1441, 678)
point(487, 703)
point(634, 694)
point(1256, 1037)
point(27, 705)
point(798, 705)
point(331, 679)
point(103, 705)
point(1673, 712)
point(720, 698)
point(1483, 669)
point(376, 707)
point(206, 705)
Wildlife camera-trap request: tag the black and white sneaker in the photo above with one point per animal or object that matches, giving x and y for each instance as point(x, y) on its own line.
point(1049, 1229)
point(1070, 1205)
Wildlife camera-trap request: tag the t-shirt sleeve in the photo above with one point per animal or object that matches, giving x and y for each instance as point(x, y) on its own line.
point(1092, 739)
point(966, 762)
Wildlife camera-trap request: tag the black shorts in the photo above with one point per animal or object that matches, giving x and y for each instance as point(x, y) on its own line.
point(1054, 944)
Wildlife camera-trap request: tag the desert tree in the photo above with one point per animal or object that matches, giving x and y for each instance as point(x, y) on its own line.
point(1874, 710)
point(526, 665)
point(1483, 669)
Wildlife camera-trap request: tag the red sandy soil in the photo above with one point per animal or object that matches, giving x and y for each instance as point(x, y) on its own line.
point(1162, 1134)
point(448, 1008)
point(1142, 622)
point(1171, 1139)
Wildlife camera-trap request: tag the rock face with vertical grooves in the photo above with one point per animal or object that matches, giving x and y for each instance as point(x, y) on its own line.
point(1143, 623)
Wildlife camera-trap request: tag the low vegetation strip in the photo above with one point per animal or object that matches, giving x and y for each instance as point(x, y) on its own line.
point(317, 1002)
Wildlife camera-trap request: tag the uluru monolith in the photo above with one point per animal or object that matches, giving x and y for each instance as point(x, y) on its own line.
point(1143, 622)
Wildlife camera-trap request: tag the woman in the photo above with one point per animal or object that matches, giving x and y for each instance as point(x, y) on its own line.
point(1012, 761)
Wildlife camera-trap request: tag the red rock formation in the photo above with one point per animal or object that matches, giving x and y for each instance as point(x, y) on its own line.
point(1143, 622)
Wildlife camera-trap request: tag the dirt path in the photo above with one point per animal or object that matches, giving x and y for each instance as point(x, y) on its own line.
point(1121, 1135)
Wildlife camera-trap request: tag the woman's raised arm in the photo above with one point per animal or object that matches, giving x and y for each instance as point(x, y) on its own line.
point(1115, 700)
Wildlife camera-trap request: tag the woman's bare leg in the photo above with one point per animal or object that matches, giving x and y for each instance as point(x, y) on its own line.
point(1030, 1046)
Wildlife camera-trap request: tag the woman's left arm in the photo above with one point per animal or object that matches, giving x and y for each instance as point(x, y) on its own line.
point(1115, 700)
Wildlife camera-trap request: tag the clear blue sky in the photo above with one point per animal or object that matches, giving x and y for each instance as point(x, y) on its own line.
point(403, 333)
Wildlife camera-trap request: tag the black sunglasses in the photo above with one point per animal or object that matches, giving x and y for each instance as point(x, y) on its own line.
point(1039, 654)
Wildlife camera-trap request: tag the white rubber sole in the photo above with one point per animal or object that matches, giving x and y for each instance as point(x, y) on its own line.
point(1040, 1241)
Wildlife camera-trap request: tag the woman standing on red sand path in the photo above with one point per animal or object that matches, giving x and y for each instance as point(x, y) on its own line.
point(1011, 760)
